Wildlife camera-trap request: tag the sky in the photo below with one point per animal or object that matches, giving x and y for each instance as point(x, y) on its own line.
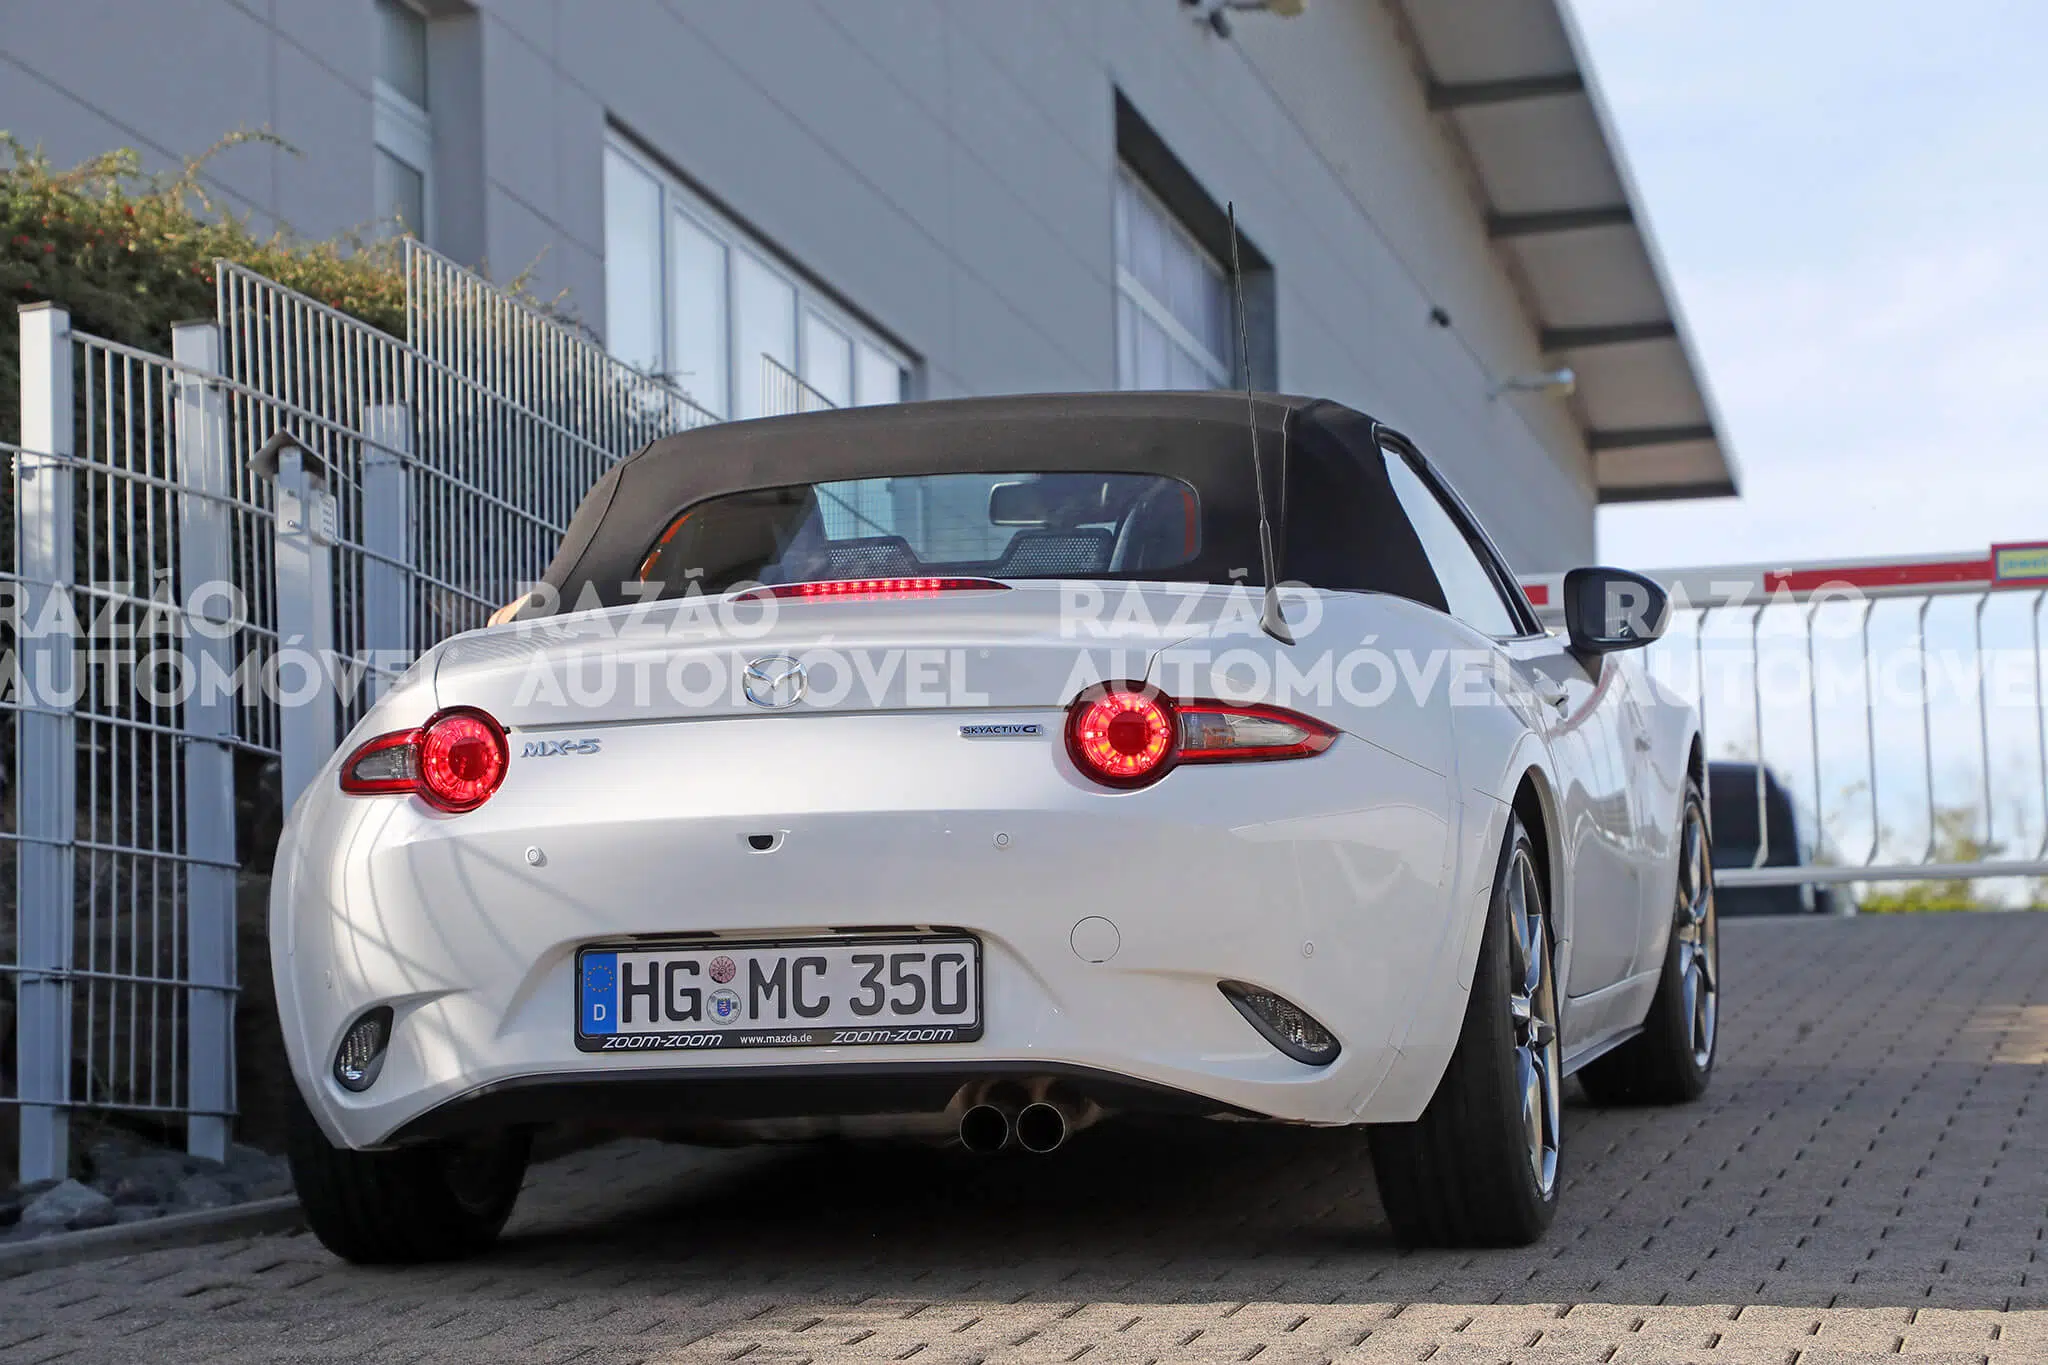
point(1851, 199)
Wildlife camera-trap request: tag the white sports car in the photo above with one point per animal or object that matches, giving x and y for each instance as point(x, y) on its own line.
point(933, 771)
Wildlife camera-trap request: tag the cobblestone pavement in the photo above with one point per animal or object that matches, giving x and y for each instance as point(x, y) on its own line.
point(1867, 1178)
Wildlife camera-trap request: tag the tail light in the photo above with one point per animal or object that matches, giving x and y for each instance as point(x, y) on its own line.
point(1128, 736)
point(454, 762)
point(1212, 732)
point(1121, 739)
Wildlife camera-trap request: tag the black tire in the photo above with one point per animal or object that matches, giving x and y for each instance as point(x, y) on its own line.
point(1672, 1059)
point(434, 1202)
point(1466, 1174)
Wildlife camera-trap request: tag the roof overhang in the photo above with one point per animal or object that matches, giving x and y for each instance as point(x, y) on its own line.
point(1510, 79)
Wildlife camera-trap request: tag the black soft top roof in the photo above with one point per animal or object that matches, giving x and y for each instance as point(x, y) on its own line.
point(1199, 437)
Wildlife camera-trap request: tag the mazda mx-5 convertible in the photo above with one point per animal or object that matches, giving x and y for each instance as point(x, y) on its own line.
point(979, 771)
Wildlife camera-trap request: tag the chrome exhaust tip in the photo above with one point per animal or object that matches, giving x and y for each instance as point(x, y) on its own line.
point(985, 1128)
point(1042, 1127)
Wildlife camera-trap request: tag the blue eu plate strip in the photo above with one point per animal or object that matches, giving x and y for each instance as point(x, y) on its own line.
point(600, 993)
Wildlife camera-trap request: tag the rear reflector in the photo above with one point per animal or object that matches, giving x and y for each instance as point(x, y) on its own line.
point(1286, 1025)
point(883, 587)
point(361, 1055)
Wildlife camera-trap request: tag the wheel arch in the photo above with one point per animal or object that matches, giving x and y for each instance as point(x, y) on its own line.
point(1517, 780)
point(1535, 804)
point(1527, 789)
point(1696, 769)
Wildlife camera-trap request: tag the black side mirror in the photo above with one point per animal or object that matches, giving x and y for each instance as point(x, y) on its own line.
point(1610, 609)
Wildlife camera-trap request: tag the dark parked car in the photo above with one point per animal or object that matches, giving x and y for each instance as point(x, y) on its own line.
point(1732, 804)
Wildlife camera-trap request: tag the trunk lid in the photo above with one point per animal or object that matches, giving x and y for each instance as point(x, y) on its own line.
point(1030, 645)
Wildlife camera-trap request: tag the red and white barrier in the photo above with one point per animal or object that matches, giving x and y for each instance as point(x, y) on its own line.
point(2018, 565)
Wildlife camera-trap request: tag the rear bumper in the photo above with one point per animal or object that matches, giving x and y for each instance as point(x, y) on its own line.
point(1327, 881)
point(681, 1096)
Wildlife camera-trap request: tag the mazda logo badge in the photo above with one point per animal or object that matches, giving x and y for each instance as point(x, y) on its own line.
point(775, 682)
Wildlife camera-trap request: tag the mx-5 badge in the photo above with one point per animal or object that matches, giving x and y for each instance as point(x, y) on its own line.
point(550, 748)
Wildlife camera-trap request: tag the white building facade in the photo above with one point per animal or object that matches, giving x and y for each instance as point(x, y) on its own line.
point(930, 198)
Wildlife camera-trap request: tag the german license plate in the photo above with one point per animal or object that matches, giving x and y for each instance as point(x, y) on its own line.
point(794, 993)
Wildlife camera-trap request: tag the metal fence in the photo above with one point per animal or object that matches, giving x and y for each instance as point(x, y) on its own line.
point(453, 459)
point(784, 393)
point(122, 770)
point(250, 536)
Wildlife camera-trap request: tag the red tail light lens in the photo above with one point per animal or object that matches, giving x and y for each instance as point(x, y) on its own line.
point(1121, 738)
point(454, 762)
point(1127, 737)
point(462, 759)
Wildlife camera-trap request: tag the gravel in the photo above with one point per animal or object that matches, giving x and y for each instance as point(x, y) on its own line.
point(68, 1206)
point(121, 1178)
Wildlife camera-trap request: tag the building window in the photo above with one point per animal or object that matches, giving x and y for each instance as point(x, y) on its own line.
point(691, 296)
point(1173, 308)
point(403, 132)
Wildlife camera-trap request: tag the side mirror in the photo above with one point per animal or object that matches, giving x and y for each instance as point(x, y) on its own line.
point(1610, 609)
point(1018, 504)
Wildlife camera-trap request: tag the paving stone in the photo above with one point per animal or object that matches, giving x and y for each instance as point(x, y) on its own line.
point(1867, 1179)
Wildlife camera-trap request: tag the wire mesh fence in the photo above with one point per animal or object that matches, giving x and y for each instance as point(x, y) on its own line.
point(455, 457)
point(11, 704)
point(120, 964)
point(132, 927)
point(158, 547)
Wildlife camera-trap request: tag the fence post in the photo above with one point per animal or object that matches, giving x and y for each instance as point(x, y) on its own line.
point(205, 534)
point(47, 760)
point(304, 568)
point(387, 539)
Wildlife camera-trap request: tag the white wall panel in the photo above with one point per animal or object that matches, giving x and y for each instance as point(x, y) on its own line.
point(942, 168)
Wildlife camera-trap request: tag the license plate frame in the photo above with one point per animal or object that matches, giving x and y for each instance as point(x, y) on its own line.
point(711, 1036)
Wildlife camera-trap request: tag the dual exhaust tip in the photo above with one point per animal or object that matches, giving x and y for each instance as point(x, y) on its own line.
point(1040, 1126)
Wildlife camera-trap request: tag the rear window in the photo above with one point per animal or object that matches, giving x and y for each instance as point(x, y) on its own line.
point(1023, 525)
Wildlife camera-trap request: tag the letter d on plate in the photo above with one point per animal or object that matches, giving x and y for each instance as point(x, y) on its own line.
point(600, 993)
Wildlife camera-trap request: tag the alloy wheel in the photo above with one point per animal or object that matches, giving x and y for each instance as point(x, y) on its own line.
point(1532, 1003)
point(1693, 926)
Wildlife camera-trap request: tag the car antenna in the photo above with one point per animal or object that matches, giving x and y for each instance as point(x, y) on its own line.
point(1270, 619)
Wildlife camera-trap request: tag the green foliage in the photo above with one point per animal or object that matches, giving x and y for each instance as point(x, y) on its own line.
point(1955, 841)
point(1915, 897)
point(130, 253)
